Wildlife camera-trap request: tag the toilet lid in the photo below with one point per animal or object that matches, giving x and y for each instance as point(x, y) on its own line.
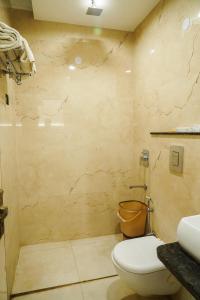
point(138, 255)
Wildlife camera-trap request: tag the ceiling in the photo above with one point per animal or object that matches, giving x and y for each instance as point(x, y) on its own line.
point(117, 14)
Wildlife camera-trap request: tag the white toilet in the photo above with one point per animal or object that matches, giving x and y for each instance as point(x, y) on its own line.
point(137, 264)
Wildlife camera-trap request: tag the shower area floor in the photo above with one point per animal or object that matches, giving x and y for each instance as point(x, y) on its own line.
point(71, 270)
point(48, 265)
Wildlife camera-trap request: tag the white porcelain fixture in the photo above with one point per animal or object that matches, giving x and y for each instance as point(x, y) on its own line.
point(137, 264)
point(188, 234)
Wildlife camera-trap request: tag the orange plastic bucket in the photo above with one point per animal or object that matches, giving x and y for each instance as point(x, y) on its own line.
point(133, 216)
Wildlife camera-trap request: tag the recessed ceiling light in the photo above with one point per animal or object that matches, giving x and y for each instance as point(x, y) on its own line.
point(128, 71)
point(41, 124)
point(71, 67)
point(152, 51)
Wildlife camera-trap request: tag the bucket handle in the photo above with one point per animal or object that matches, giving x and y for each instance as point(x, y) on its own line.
point(129, 220)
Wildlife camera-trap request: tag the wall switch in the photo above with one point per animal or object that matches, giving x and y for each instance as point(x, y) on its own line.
point(176, 159)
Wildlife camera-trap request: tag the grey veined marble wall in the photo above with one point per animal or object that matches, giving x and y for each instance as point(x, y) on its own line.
point(75, 143)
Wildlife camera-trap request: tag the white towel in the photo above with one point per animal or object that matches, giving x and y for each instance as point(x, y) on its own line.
point(9, 38)
point(16, 57)
point(27, 59)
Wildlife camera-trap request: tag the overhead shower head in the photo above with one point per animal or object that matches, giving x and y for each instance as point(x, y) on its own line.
point(93, 10)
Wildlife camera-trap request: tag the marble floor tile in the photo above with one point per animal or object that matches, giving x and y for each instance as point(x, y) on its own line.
point(45, 265)
point(53, 264)
point(103, 289)
point(93, 256)
point(72, 292)
point(106, 289)
point(111, 289)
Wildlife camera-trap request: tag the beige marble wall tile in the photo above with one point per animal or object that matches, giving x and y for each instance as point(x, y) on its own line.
point(82, 131)
point(5, 12)
point(165, 87)
point(166, 97)
point(9, 181)
point(3, 281)
point(75, 145)
point(8, 178)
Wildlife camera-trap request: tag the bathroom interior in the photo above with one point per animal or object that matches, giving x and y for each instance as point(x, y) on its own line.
point(99, 107)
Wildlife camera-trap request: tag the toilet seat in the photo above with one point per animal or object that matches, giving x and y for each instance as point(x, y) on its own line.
point(138, 255)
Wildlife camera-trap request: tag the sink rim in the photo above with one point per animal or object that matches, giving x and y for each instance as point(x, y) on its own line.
point(193, 221)
point(187, 232)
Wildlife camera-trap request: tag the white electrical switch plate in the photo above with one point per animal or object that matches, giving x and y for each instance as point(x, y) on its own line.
point(176, 159)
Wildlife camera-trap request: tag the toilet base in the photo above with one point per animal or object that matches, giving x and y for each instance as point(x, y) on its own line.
point(151, 284)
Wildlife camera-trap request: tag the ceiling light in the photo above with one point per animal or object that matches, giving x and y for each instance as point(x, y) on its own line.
point(71, 67)
point(41, 124)
point(152, 51)
point(93, 10)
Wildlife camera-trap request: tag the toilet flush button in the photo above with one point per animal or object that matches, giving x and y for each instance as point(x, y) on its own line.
point(176, 159)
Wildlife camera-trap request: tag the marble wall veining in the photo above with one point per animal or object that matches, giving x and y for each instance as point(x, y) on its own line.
point(8, 175)
point(166, 95)
point(84, 119)
point(166, 89)
point(75, 143)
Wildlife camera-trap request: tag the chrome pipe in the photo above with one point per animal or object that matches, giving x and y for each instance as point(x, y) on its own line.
point(149, 211)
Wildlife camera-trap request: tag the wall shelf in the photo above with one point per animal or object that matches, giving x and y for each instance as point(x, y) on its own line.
point(182, 266)
point(173, 133)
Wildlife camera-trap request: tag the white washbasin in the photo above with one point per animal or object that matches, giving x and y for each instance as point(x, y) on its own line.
point(188, 234)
